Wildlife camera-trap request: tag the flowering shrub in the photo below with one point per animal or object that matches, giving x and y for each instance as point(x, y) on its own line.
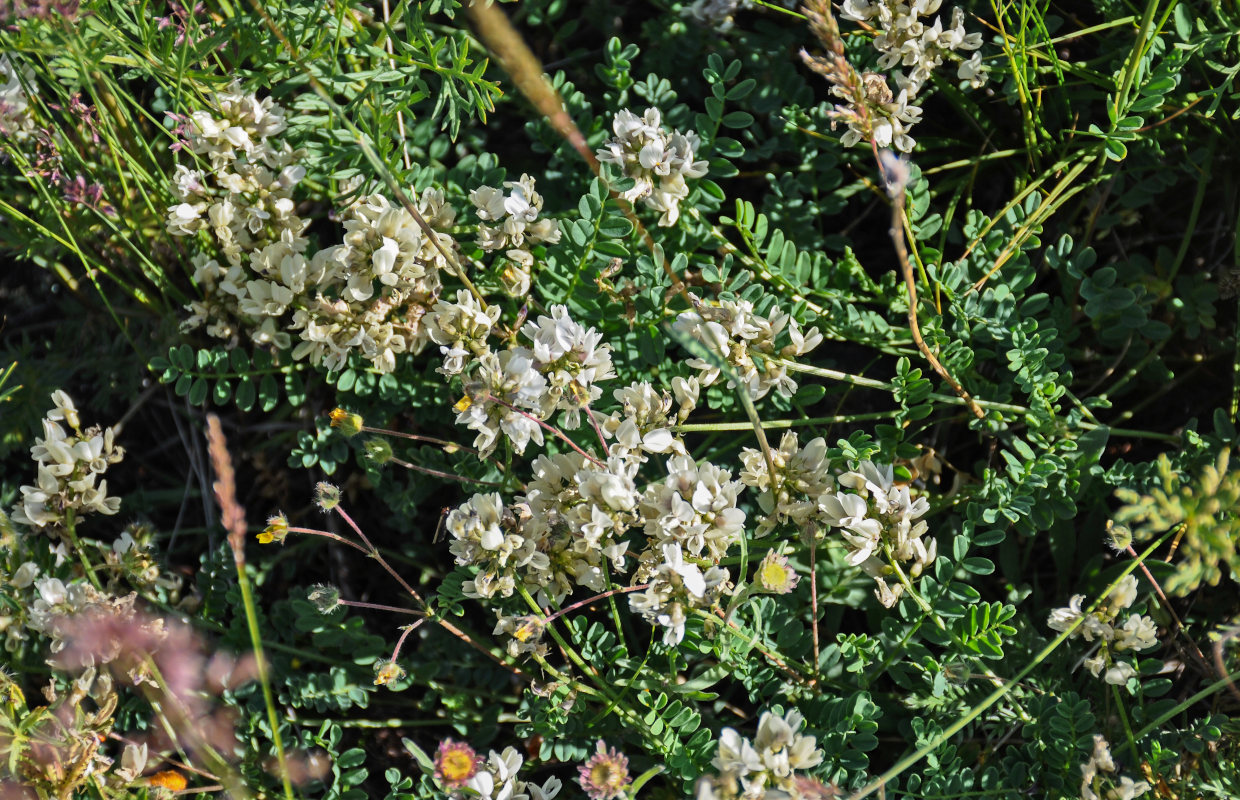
point(637, 409)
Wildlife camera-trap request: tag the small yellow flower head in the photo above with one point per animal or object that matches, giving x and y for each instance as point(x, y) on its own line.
point(168, 779)
point(325, 598)
point(348, 424)
point(455, 764)
point(378, 450)
point(326, 496)
point(774, 574)
point(276, 530)
point(387, 672)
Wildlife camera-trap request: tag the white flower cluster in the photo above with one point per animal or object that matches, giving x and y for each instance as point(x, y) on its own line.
point(554, 537)
point(373, 291)
point(567, 529)
point(578, 512)
point(1100, 770)
point(767, 767)
point(70, 464)
point(674, 587)
point(877, 519)
point(735, 333)
point(695, 508)
point(915, 49)
point(802, 476)
point(880, 518)
point(1138, 632)
point(497, 779)
point(644, 420)
point(16, 122)
point(511, 391)
point(366, 295)
point(518, 228)
point(461, 329)
point(49, 603)
point(658, 162)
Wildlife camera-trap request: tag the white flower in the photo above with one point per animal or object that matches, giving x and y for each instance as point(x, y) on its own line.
point(735, 333)
point(1138, 633)
point(16, 121)
point(517, 213)
point(1119, 673)
point(674, 587)
point(768, 766)
point(657, 162)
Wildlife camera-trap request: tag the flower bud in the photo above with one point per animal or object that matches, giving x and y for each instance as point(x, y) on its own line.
point(1119, 537)
point(326, 496)
point(348, 424)
point(325, 598)
point(378, 450)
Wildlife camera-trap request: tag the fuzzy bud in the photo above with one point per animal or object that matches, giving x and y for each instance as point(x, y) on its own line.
point(325, 598)
point(377, 450)
point(347, 423)
point(326, 496)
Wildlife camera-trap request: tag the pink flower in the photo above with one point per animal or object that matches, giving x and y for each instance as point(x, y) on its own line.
point(455, 764)
point(606, 775)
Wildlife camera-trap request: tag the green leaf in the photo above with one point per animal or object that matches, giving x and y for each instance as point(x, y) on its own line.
point(268, 392)
point(221, 392)
point(246, 393)
point(198, 391)
point(738, 119)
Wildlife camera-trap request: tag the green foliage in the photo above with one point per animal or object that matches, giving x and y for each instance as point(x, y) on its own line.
point(1201, 511)
point(1070, 239)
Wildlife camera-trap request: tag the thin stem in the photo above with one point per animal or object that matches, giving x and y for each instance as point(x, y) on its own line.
point(781, 424)
point(1179, 625)
point(333, 536)
point(999, 693)
point(554, 430)
point(449, 447)
point(1123, 718)
point(898, 224)
point(439, 474)
point(813, 596)
point(379, 607)
point(870, 383)
point(374, 553)
point(602, 440)
point(588, 600)
point(408, 629)
point(71, 532)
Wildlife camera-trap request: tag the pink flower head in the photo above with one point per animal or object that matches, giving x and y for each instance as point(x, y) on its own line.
point(606, 775)
point(455, 764)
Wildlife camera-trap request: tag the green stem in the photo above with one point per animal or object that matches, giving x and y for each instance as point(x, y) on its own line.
point(1123, 718)
point(1190, 702)
point(71, 533)
point(999, 693)
point(256, 643)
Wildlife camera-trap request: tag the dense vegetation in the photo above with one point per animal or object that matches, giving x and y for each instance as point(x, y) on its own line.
point(718, 398)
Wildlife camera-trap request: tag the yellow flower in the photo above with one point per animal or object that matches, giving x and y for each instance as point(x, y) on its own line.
point(276, 530)
point(349, 424)
point(168, 779)
point(775, 575)
point(387, 672)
